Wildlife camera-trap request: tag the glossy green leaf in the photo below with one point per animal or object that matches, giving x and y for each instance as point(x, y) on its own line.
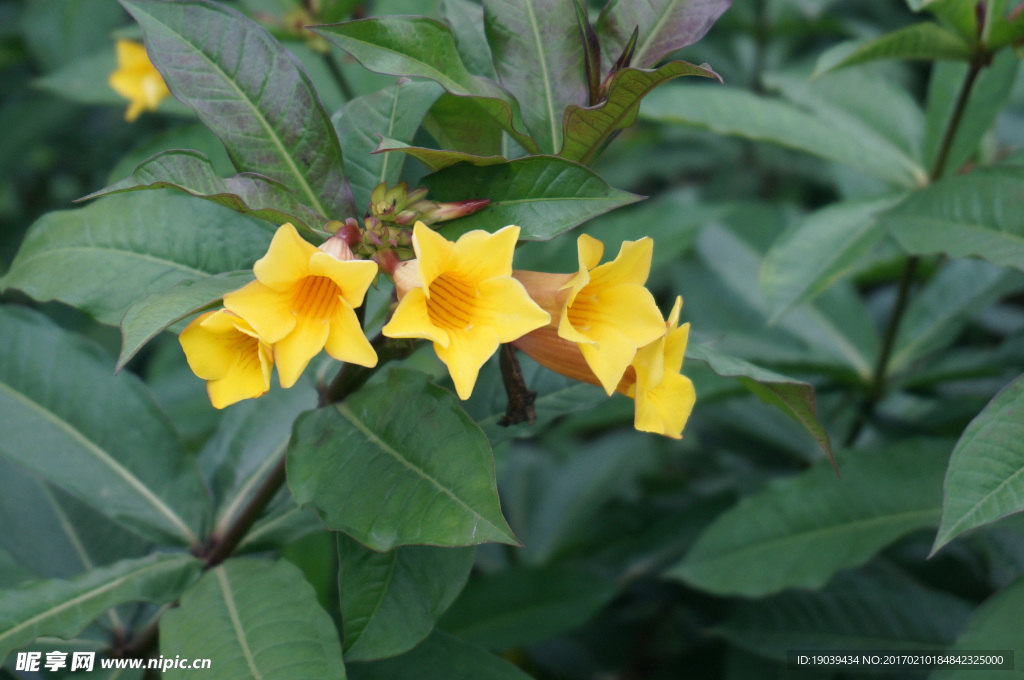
point(801, 530)
point(796, 398)
point(436, 159)
point(993, 626)
point(988, 97)
point(538, 56)
point(459, 124)
point(149, 317)
point(732, 111)
point(861, 610)
point(977, 215)
point(958, 14)
point(936, 314)
point(820, 249)
point(665, 26)
point(254, 619)
point(440, 657)
point(64, 415)
point(395, 112)
point(467, 21)
point(64, 608)
point(251, 92)
point(926, 40)
point(390, 600)
point(985, 479)
point(420, 46)
point(192, 172)
point(111, 254)
point(396, 464)
point(545, 196)
point(522, 605)
point(588, 128)
point(193, 136)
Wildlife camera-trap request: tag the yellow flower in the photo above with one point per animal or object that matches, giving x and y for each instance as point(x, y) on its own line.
point(225, 351)
point(664, 397)
point(137, 80)
point(605, 309)
point(462, 297)
point(302, 301)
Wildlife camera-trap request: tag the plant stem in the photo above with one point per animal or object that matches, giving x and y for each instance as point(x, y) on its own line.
point(876, 388)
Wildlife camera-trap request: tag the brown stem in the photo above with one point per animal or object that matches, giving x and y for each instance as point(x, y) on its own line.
point(520, 397)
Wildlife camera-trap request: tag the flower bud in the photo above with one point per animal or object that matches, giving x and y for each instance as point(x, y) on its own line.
point(406, 276)
point(337, 247)
point(450, 211)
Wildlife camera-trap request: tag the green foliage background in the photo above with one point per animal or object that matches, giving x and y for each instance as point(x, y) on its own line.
point(843, 217)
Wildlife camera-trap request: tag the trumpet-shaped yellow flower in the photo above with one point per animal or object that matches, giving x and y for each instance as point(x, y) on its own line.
point(664, 397)
point(302, 301)
point(462, 297)
point(605, 309)
point(137, 80)
point(224, 350)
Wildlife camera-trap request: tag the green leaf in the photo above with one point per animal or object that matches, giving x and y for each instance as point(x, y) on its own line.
point(391, 600)
point(588, 128)
point(665, 26)
point(544, 195)
point(194, 136)
point(148, 318)
point(254, 619)
point(436, 159)
point(440, 657)
point(976, 214)
point(250, 439)
point(926, 40)
point(988, 97)
point(64, 608)
point(522, 605)
point(801, 530)
point(467, 21)
point(733, 111)
point(538, 55)
point(100, 437)
point(958, 14)
point(395, 112)
point(936, 315)
point(993, 626)
point(820, 249)
point(794, 397)
point(459, 124)
point(192, 172)
point(860, 610)
point(107, 256)
point(396, 464)
point(420, 46)
point(985, 479)
point(251, 92)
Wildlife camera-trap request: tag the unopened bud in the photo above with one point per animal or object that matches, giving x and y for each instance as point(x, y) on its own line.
point(351, 232)
point(405, 217)
point(337, 247)
point(451, 211)
point(387, 260)
point(370, 238)
point(407, 277)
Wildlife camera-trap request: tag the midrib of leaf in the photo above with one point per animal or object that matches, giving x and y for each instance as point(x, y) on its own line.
point(75, 601)
point(845, 527)
point(236, 623)
point(380, 600)
point(549, 97)
point(638, 54)
point(347, 413)
point(314, 200)
point(108, 461)
point(76, 544)
point(391, 130)
point(229, 512)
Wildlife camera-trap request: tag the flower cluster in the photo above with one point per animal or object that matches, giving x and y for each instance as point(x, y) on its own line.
point(599, 325)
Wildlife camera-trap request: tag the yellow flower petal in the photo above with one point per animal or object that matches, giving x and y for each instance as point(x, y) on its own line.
point(136, 79)
point(505, 306)
point(293, 352)
point(223, 349)
point(346, 341)
point(211, 354)
point(478, 255)
point(631, 266)
point(411, 320)
point(465, 354)
point(286, 261)
point(610, 357)
point(249, 378)
point(132, 55)
point(352, 276)
point(665, 409)
point(432, 250)
point(266, 310)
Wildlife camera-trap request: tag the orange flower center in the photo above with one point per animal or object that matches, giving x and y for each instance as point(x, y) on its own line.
point(451, 302)
point(316, 297)
point(584, 311)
